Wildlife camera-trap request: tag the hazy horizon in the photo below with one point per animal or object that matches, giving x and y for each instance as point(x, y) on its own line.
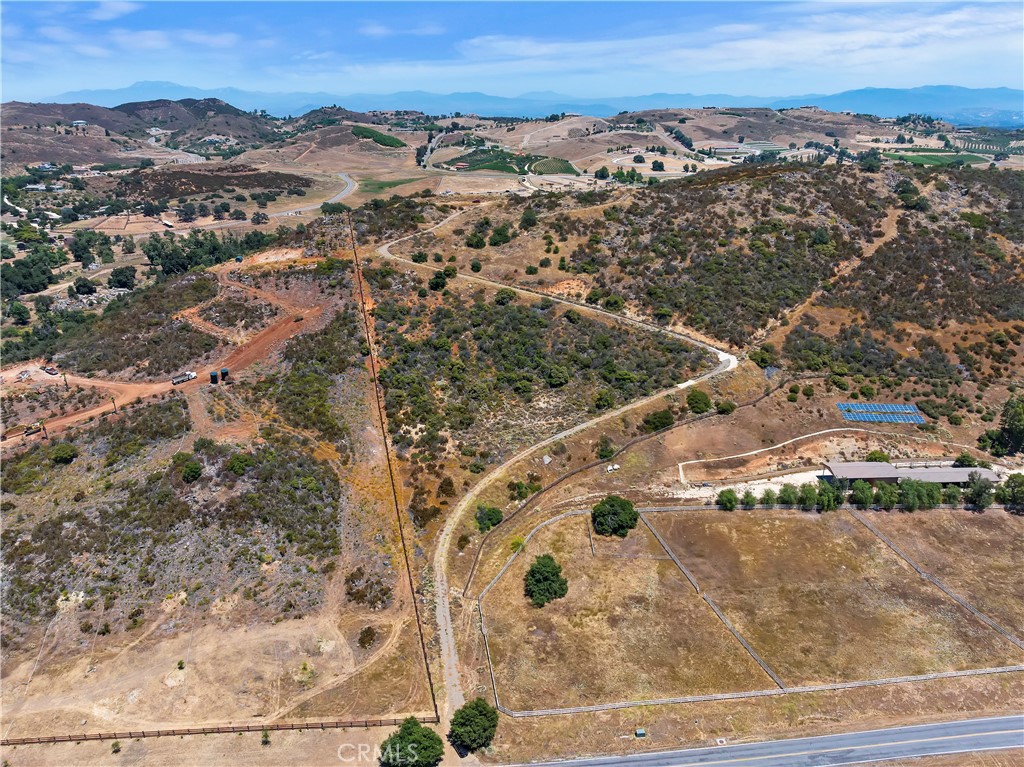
point(508, 49)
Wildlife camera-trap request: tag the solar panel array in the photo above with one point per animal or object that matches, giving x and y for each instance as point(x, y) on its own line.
point(878, 412)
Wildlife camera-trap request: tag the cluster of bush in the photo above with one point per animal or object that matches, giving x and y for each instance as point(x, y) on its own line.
point(909, 495)
point(302, 392)
point(685, 253)
point(487, 352)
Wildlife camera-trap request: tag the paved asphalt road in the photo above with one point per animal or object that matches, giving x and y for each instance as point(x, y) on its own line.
point(970, 735)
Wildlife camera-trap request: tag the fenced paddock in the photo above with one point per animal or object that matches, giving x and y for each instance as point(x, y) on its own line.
point(819, 601)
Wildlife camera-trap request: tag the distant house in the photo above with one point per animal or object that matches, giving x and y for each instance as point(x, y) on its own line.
point(79, 124)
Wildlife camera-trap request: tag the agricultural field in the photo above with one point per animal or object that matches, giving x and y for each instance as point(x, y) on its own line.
point(553, 165)
point(931, 160)
point(392, 142)
point(494, 160)
point(779, 577)
point(373, 186)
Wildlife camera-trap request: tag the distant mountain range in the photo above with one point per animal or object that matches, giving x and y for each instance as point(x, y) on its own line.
point(996, 107)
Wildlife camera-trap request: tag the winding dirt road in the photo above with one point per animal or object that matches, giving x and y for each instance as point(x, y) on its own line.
point(257, 348)
point(455, 697)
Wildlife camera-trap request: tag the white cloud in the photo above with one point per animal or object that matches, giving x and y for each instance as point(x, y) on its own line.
point(915, 41)
point(140, 39)
point(58, 34)
point(376, 29)
point(211, 40)
point(373, 29)
point(113, 10)
point(92, 51)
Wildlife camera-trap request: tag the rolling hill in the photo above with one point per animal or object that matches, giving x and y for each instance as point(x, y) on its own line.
point(996, 107)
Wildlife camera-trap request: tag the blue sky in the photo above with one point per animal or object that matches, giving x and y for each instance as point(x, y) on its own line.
point(580, 49)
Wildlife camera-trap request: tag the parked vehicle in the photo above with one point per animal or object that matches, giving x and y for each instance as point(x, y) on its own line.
point(181, 378)
point(51, 371)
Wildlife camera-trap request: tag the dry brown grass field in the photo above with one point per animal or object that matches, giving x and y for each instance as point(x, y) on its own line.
point(701, 724)
point(823, 600)
point(59, 679)
point(989, 577)
point(629, 629)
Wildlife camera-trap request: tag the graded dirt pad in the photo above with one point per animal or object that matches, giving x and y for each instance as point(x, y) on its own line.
point(990, 578)
point(823, 600)
point(627, 630)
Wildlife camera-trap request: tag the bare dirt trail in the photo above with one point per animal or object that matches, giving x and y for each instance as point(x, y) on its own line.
point(455, 697)
point(254, 349)
point(890, 229)
point(224, 274)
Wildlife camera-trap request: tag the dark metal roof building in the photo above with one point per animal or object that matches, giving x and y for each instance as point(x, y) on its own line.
point(871, 471)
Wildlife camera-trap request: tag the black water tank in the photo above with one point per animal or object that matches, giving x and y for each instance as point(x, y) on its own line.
point(213, 376)
point(224, 375)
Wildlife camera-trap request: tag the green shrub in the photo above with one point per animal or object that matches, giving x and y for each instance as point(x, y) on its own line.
point(473, 726)
point(614, 516)
point(63, 453)
point(543, 582)
point(191, 471)
point(239, 462)
point(727, 500)
point(504, 296)
point(367, 637)
point(487, 517)
point(413, 745)
point(698, 401)
point(659, 419)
